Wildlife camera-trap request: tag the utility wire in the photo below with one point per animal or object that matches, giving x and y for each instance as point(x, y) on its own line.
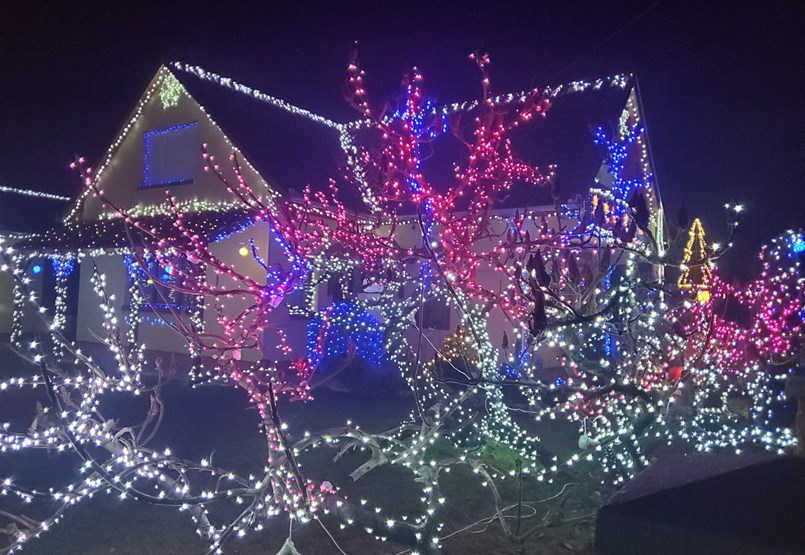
point(603, 42)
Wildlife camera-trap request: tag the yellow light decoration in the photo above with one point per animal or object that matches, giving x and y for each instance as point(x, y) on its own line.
point(243, 250)
point(696, 266)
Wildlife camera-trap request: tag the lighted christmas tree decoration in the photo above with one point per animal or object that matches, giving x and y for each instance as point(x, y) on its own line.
point(696, 266)
point(697, 274)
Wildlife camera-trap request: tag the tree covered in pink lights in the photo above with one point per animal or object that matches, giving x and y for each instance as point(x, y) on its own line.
point(741, 342)
point(583, 284)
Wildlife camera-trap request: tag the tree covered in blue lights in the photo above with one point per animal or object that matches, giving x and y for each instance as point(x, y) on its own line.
point(344, 329)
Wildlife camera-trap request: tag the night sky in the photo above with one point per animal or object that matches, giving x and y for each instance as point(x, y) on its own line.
point(722, 84)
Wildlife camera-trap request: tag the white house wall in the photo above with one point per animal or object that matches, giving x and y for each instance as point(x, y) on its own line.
point(121, 177)
point(227, 251)
point(89, 319)
point(6, 303)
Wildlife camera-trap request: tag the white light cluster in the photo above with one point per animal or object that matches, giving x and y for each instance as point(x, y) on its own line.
point(32, 193)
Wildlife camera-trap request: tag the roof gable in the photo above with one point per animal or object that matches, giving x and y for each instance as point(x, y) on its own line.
point(165, 104)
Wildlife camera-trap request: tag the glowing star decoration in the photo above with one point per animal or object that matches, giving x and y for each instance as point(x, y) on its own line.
point(170, 91)
point(697, 269)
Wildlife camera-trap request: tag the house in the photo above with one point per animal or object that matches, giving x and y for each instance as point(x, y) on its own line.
point(282, 148)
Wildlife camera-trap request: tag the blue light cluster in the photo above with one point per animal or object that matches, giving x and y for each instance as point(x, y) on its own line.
point(331, 331)
point(224, 233)
point(797, 244)
point(299, 265)
point(617, 157)
point(133, 269)
point(63, 266)
point(416, 120)
point(509, 372)
point(609, 342)
point(152, 319)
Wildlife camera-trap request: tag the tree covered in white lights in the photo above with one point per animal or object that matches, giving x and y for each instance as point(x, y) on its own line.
point(583, 284)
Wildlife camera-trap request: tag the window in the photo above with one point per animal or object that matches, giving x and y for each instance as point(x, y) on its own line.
point(171, 155)
point(342, 285)
point(302, 302)
point(435, 315)
point(160, 291)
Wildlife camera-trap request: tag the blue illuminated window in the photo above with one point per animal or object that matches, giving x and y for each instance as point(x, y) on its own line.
point(160, 284)
point(171, 155)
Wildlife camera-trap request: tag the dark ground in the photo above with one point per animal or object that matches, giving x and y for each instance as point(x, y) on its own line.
point(708, 503)
point(681, 503)
point(218, 419)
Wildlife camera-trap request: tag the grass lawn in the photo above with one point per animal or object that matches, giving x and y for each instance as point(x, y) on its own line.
point(216, 419)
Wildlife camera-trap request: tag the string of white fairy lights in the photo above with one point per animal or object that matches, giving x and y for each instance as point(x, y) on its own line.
point(163, 78)
point(33, 193)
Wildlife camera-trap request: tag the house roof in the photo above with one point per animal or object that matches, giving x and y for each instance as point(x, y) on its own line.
point(111, 234)
point(28, 211)
point(565, 138)
point(291, 150)
point(28, 215)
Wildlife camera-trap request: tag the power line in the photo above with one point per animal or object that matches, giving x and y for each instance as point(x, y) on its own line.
point(606, 40)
